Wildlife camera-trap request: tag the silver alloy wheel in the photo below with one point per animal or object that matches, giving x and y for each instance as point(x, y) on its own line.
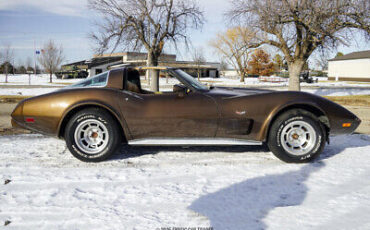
point(298, 138)
point(91, 136)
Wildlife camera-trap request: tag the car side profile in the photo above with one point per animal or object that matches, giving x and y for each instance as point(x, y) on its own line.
point(95, 116)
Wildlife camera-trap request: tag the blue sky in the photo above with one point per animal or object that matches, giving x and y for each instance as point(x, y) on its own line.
point(24, 23)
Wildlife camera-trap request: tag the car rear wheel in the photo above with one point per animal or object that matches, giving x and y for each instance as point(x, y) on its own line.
point(92, 135)
point(297, 136)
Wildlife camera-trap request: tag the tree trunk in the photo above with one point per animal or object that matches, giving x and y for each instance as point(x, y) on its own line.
point(242, 73)
point(154, 73)
point(242, 76)
point(295, 69)
point(6, 73)
point(51, 79)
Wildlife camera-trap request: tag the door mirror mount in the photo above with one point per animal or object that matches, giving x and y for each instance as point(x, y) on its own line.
point(180, 90)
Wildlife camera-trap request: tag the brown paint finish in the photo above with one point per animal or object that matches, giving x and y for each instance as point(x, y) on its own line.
point(115, 79)
point(219, 112)
point(168, 115)
point(50, 109)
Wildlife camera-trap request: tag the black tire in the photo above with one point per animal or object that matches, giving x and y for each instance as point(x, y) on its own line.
point(108, 130)
point(286, 123)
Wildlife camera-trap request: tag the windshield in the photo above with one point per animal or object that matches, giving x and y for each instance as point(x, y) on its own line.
point(189, 80)
point(96, 81)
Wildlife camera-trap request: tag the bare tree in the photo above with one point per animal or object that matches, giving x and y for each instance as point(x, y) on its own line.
point(235, 46)
point(7, 56)
point(198, 59)
point(149, 24)
point(51, 57)
point(322, 60)
point(20, 69)
point(29, 64)
point(299, 27)
point(223, 65)
point(278, 61)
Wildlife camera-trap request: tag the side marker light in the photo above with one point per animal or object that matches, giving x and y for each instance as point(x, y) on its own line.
point(346, 125)
point(30, 120)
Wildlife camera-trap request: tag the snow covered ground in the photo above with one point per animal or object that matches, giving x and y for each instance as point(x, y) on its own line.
point(152, 187)
point(26, 91)
point(323, 82)
point(39, 79)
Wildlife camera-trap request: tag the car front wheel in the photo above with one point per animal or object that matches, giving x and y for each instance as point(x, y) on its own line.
point(92, 135)
point(297, 136)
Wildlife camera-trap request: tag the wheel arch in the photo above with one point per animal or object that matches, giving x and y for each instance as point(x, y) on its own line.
point(307, 106)
point(81, 106)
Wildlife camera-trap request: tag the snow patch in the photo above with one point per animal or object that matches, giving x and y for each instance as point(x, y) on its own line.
point(234, 187)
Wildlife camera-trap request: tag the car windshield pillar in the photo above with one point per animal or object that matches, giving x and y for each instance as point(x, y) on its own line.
point(188, 80)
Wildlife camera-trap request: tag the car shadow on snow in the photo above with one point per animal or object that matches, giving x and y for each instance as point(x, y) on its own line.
point(245, 205)
point(128, 151)
point(339, 144)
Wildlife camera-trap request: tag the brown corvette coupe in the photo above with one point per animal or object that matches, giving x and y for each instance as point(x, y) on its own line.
point(95, 116)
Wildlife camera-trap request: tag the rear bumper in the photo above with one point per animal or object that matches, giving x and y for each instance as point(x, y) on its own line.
point(15, 124)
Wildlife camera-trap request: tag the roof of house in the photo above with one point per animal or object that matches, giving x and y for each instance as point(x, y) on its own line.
point(118, 60)
point(102, 60)
point(96, 61)
point(75, 63)
point(354, 55)
point(129, 54)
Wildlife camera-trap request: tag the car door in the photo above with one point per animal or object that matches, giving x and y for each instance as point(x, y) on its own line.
point(169, 115)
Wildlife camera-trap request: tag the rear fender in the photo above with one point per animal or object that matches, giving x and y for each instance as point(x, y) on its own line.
point(92, 103)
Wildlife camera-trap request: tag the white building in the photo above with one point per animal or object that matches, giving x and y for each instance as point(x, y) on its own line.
point(101, 63)
point(350, 67)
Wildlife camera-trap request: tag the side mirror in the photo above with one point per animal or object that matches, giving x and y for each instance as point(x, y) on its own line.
point(181, 90)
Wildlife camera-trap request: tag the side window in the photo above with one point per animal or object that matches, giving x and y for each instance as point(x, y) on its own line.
point(138, 82)
point(166, 83)
point(133, 82)
point(98, 80)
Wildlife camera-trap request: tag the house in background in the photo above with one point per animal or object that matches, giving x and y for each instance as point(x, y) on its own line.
point(350, 67)
point(102, 63)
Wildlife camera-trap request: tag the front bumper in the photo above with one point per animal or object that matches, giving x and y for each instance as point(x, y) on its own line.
point(355, 124)
point(338, 129)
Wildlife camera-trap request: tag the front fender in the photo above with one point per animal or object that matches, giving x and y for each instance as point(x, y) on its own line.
point(292, 104)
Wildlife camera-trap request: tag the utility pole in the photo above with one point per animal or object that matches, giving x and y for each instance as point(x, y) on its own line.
point(34, 55)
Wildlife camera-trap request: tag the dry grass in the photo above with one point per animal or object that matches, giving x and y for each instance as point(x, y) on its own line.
point(355, 83)
point(347, 82)
point(208, 81)
point(62, 83)
point(12, 98)
point(356, 100)
point(326, 81)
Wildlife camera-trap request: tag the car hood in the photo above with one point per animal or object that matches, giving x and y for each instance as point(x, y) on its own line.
point(236, 92)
